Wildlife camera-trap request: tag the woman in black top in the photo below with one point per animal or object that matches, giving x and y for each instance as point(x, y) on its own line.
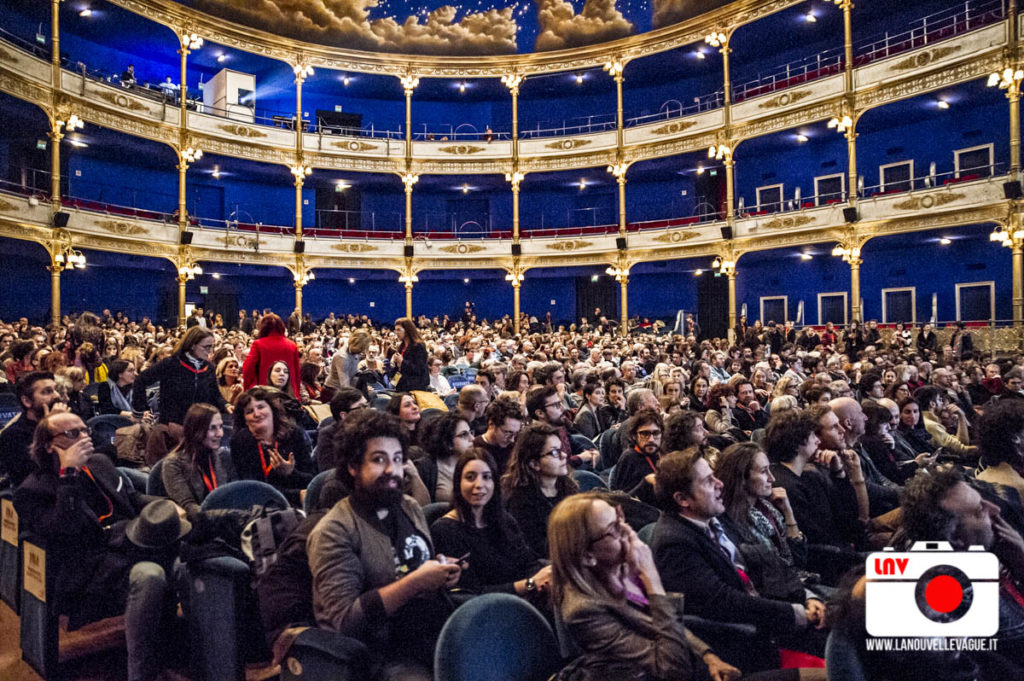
point(410, 362)
point(894, 458)
point(498, 557)
point(185, 378)
point(537, 478)
point(268, 447)
point(912, 426)
point(115, 395)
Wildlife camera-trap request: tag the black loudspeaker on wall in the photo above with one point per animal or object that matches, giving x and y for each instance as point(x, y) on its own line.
point(850, 214)
point(60, 219)
point(300, 246)
point(1012, 189)
point(517, 249)
point(727, 232)
point(408, 251)
point(620, 243)
point(186, 238)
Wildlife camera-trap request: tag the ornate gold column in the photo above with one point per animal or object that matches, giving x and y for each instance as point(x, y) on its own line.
point(512, 81)
point(619, 171)
point(723, 152)
point(850, 251)
point(55, 45)
point(846, 124)
point(188, 268)
point(620, 270)
point(1009, 78)
point(62, 256)
point(301, 275)
point(408, 180)
point(186, 157)
point(615, 67)
point(408, 278)
point(725, 263)
point(55, 271)
point(516, 178)
point(515, 277)
point(409, 82)
point(732, 300)
point(1011, 235)
point(300, 171)
point(847, 6)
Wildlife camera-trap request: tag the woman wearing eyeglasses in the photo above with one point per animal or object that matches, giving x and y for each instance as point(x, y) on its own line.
point(536, 480)
point(445, 439)
point(608, 594)
point(185, 378)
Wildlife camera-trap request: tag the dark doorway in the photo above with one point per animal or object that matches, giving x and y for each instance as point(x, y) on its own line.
point(710, 186)
point(224, 304)
point(590, 294)
point(338, 209)
point(713, 305)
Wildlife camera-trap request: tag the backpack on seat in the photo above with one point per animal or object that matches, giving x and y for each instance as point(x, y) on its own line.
point(264, 534)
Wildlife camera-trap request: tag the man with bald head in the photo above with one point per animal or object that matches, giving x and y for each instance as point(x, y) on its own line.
point(883, 493)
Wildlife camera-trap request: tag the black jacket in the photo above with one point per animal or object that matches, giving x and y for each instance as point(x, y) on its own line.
point(92, 559)
point(106, 402)
point(181, 386)
point(15, 461)
point(245, 455)
point(415, 374)
point(690, 563)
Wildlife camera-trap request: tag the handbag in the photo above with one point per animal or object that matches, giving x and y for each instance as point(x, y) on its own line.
point(428, 400)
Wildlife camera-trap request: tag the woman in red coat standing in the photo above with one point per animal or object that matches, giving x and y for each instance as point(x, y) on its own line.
point(270, 346)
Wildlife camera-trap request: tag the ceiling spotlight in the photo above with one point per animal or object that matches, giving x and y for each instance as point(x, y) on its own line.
point(697, 273)
point(806, 256)
point(216, 172)
point(78, 143)
point(700, 169)
point(465, 281)
point(583, 183)
point(341, 186)
point(801, 138)
point(945, 241)
point(351, 280)
point(810, 18)
point(86, 12)
point(346, 80)
point(465, 188)
point(216, 275)
point(579, 79)
point(942, 104)
point(594, 278)
point(699, 54)
point(462, 86)
point(221, 57)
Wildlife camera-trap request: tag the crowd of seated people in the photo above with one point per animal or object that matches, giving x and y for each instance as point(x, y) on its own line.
point(759, 474)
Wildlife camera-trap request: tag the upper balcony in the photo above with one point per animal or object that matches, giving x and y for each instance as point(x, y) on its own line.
point(932, 53)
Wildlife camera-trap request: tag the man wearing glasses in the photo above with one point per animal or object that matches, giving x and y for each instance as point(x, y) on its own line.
point(346, 402)
point(544, 405)
point(638, 464)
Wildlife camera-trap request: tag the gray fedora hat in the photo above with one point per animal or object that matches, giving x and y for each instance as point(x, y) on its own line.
point(157, 526)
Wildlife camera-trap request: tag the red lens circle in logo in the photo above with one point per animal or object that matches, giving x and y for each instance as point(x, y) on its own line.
point(944, 593)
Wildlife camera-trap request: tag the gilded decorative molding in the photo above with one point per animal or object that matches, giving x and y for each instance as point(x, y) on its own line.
point(674, 127)
point(462, 249)
point(120, 100)
point(121, 227)
point(354, 145)
point(923, 59)
point(566, 145)
point(785, 99)
point(789, 222)
point(242, 131)
point(915, 84)
point(354, 247)
point(7, 57)
point(676, 236)
point(570, 245)
point(928, 201)
point(6, 205)
point(461, 149)
point(240, 241)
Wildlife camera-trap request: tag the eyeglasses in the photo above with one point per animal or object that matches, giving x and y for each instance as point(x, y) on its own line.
point(647, 434)
point(74, 433)
point(615, 530)
point(356, 407)
point(555, 453)
point(553, 404)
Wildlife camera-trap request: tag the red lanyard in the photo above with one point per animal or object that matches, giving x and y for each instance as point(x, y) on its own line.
point(210, 486)
point(192, 368)
point(263, 461)
point(110, 504)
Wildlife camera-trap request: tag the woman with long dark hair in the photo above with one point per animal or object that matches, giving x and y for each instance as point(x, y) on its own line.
point(444, 439)
point(911, 426)
point(198, 465)
point(269, 447)
point(269, 347)
point(410, 361)
point(498, 557)
point(536, 480)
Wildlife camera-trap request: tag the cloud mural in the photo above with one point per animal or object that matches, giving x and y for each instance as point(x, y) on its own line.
point(560, 26)
point(347, 23)
point(673, 11)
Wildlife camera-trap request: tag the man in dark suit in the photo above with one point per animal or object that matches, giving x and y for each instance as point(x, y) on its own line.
point(695, 556)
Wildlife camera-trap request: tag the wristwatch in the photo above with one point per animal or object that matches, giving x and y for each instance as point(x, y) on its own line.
point(531, 585)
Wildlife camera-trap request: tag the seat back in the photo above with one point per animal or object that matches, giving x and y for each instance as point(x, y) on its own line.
point(842, 659)
point(9, 408)
point(435, 510)
point(588, 481)
point(155, 482)
point(316, 485)
point(244, 494)
point(10, 552)
point(496, 637)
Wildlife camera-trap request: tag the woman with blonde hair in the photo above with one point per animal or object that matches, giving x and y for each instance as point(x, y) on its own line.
point(607, 593)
